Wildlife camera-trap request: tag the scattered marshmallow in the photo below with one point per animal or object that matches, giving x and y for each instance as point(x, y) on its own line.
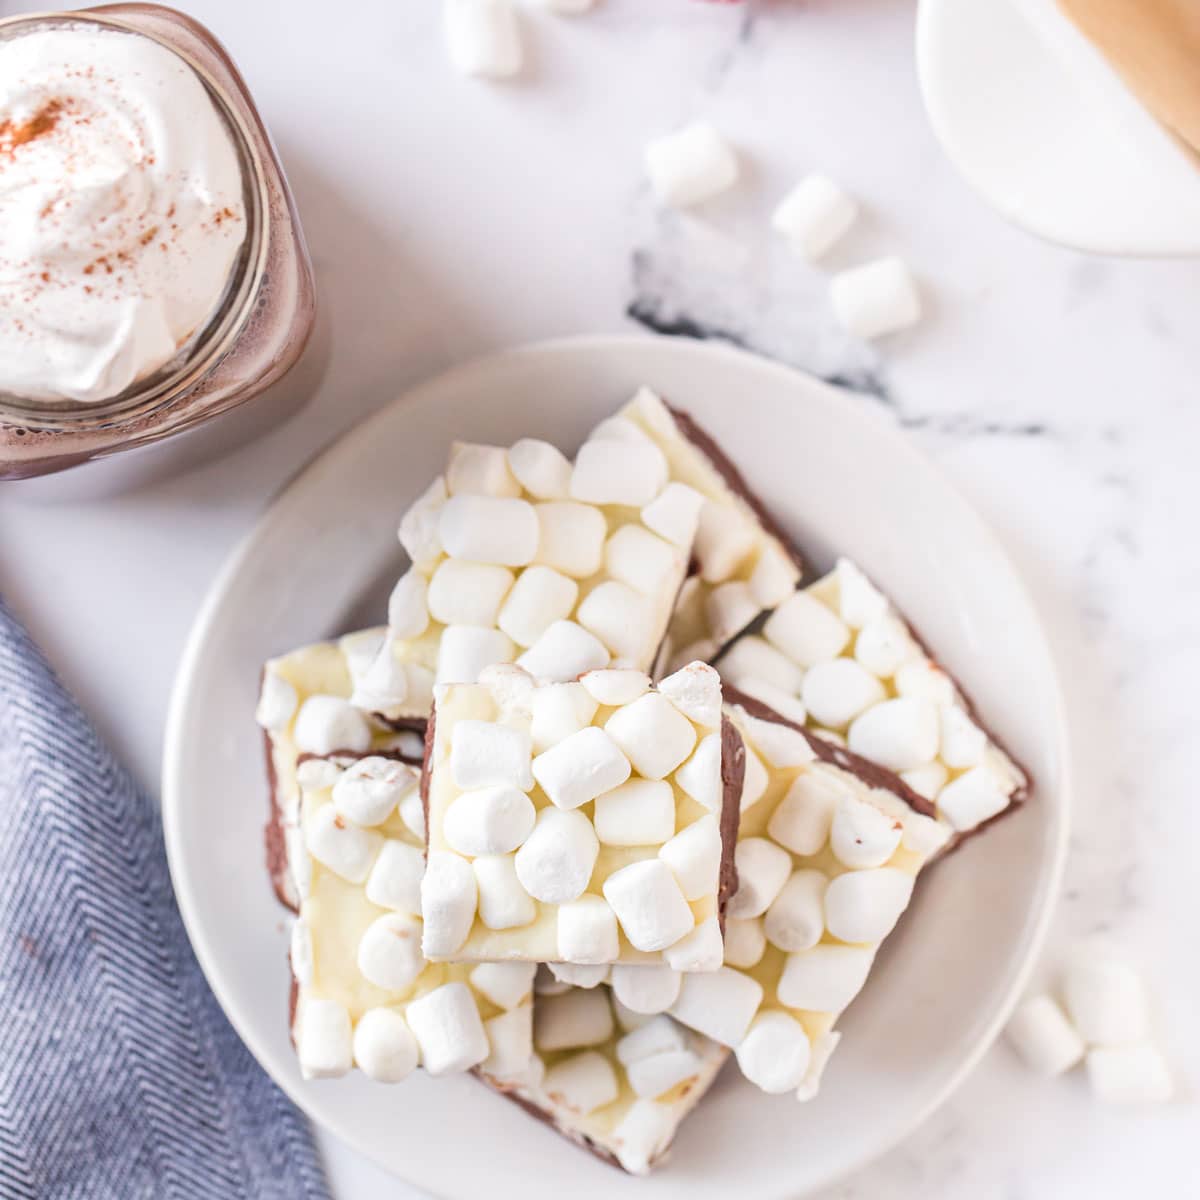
point(576, 1018)
point(627, 622)
point(582, 1083)
point(972, 798)
point(395, 879)
point(745, 941)
point(1129, 1075)
point(876, 298)
point(645, 989)
point(486, 754)
point(691, 165)
point(540, 468)
point(448, 897)
point(489, 529)
point(384, 1047)
point(884, 645)
point(696, 691)
point(796, 918)
point(1045, 1039)
point(510, 1042)
point(654, 735)
point(823, 1047)
point(729, 608)
point(775, 1053)
point(836, 692)
point(726, 538)
point(483, 38)
point(506, 984)
point(753, 660)
point(719, 1004)
point(806, 630)
point(1106, 999)
point(642, 1134)
point(774, 577)
point(583, 975)
point(762, 870)
point(345, 848)
point(963, 743)
point(755, 781)
point(384, 684)
point(923, 679)
point(389, 951)
point(587, 931)
point(277, 701)
point(898, 734)
point(419, 525)
point(641, 812)
point(317, 774)
point(803, 820)
point(859, 601)
point(863, 835)
point(700, 776)
point(468, 593)
point(559, 710)
point(701, 950)
point(556, 861)
point(448, 1029)
point(642, 559)
point(466, 650)
point(512, 690)
point(825, 978)
point(369, 790)
point(780, 745)
point(928, 780)
point(571, 537)
point(814, 215)
point(503, 902)
point(327, 723)
point(649, 904)
point(412, 813)
point(675, 514)
point(615, 687)
point(323, 1038)
point(660, 1073)
point(476, 470)
point(565, 651)
point(546, 983)
point(627, 473)
point(864, 906)
point(540, 597)
point(491, 820)
point(659, 1036)
point(581, 767)
point(788, 707)
point(694, 856)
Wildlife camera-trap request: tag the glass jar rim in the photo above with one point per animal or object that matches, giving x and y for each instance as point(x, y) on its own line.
point(209, 345)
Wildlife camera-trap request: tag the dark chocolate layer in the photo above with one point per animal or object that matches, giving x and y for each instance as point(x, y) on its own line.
point(733, 776)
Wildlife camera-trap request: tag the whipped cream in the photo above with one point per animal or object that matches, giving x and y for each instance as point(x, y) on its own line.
point(121, 211)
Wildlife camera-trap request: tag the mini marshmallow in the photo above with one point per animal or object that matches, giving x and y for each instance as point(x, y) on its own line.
point(775, 1053)
point(804, 817)
point(465, 650)
point(641, 812)
point(659, 1036)
point(813, 215)
point(642, 1134)
point(963, 743)
point(729, 608)
point(700, 776)
point(448, 897)
point(788, 707)
point(575, 1018)
point(796, 917)
point(343, 847)
point(384, 1047)
point(559, 710)
point(389, 951)
point(921, 678)
point(468, 593)
point(323, 1039)
point(448, 1029)
point(485, 754)
point(580, 768)
point(780, 745)
point(859, 601)
point(545, 983)
point(877, 298)
point(327, 723)
point(836, 692)
point(691, 165)
point(477, 470)
point(556, 861)
point(492, 820)
point(627, 1019)
point(571, 537)
point(675, 514)
point(864, 906)
point(277, 701)
point(752, 660)
point(928, 780)
point(1106, 999)
point(1129, 1075)
point(649, 904)
point(582, 1083)
point(1044, 1038)
point(745, 941)
point(825, 978)
point(565, 651)
point(654, 1076)
point(419, 525)
point(774, 577)
point(503, 902)
point(506, 984)
point(487, 529)
point(806, 631)
point(726, 538)
point(587, 931)
point(694, 856)
point(883, 646)
point(972, 798)
point(615, 687)
point(862, 835)
point(369, 790)
point(696, 691)
point(898, 734)
point(701, 950)
point(624, 620)
point(644, 990)
point(627, 473)
point(541, 468)
point(384, 684)
point(582, 975)
point(642, 559)
point(719, 1004)
point(754, 782)
point(762, 870)
point(654, 735)
point(510, 1038)
point(412, 813)
point(300, 952)
point(395, 879)
point(317, 774)
point(483, 37)
point(540, 597)
point(512, 690)
point(823, 1047)
point(618, 429)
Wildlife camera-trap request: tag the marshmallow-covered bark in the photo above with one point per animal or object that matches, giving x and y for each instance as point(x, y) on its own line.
point(828, 849)
point(743, 563)
point(588, 822)
point(839, 655)
point(617, 1082)
point(346, 850)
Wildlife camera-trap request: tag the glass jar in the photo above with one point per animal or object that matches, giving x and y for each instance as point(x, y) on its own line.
point(258, 329)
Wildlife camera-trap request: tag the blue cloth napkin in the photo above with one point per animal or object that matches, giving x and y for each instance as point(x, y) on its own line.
point(119, 1076)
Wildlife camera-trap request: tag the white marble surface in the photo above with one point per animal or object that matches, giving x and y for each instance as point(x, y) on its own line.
point(449, 217)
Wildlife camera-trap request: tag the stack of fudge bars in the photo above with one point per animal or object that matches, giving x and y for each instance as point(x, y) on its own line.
point(529, 831)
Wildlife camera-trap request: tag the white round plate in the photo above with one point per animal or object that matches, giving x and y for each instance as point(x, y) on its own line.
point(1040, 125)
point(841, 479)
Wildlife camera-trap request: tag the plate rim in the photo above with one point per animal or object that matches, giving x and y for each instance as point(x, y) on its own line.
point(181, 699)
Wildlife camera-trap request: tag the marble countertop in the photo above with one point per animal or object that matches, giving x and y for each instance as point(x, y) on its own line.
point(449, 217)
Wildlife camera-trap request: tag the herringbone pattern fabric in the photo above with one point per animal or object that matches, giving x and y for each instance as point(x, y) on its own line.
point(120, 1078)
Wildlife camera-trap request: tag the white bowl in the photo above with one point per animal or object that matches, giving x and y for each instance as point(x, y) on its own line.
point(840, 478)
